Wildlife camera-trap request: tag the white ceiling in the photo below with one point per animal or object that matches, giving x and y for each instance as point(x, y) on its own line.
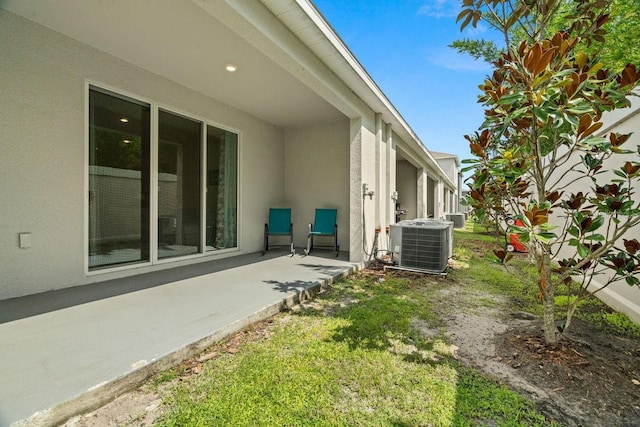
point(182, 41)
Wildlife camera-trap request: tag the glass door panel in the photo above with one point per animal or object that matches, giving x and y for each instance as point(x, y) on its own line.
point(179, 194)
point(119, 165)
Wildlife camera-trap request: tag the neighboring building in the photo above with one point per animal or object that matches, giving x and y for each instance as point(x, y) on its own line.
point(618, 295)
point(451, 166)
point(139, 136)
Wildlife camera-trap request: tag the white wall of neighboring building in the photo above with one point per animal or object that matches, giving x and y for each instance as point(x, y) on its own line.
point(42, 156)
point(449, 164)
point(618, 295)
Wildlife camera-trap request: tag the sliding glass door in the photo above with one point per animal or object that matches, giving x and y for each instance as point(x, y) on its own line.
point(185, 213)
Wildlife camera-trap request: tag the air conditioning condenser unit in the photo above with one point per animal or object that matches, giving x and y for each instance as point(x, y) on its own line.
point(458, 219)
point(422, 245)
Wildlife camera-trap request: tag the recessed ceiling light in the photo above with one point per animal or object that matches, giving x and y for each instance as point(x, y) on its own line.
point(124, 120)
point(230, 68)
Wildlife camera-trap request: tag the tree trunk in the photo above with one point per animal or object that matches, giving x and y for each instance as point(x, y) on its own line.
point(548, 301)
point(550, 331)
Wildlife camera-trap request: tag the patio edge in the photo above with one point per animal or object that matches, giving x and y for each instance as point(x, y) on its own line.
point(100, 395)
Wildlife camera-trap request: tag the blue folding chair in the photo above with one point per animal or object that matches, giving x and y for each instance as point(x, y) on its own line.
point(324, 224)
point(279, 225)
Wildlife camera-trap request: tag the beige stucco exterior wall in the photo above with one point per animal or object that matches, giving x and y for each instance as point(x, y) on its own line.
point(42, 155)
point(392, 175)
point(369, 177)
point(407, 189)
point(317, 176)
point(450, 167)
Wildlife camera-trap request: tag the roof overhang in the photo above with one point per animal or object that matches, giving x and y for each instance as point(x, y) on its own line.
point(293, 69)
point(303, 19)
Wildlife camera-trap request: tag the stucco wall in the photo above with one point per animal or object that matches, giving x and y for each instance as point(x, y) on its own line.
point(317, 176)
point(407, 189)
point(369, 172)
point(618, 295)
point(433, 198)
point(448, 165)
point(392, 175)
point(42, 155)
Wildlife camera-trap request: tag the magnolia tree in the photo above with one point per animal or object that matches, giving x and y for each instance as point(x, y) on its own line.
point(544, 103)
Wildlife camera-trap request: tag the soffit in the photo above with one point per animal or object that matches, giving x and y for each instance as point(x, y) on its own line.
point(182, 42)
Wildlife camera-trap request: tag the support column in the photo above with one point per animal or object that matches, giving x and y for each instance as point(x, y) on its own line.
point(447, 199)
point(422, 193)
point(437, 199)
point(391, 176)
point(379, 171)
point(356, 254)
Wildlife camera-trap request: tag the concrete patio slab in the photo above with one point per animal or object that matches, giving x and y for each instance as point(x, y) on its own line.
point(60, 359)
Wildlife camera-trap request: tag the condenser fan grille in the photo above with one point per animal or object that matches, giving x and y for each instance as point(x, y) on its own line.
point(422, 245)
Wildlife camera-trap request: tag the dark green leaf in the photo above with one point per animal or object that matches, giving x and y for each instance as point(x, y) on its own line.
point(582, 250)
point(632, 281)
point(574, 231)
point(596, 237)
point(597, 223)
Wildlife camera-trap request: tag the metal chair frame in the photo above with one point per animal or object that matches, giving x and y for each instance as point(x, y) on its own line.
point(279, 225)
point(324, 224)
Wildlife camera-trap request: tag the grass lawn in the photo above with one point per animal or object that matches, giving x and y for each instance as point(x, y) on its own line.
point(371, 351)
point(355, 356)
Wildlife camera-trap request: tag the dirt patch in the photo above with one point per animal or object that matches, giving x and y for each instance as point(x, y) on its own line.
point(590, 379)
point(138, 408)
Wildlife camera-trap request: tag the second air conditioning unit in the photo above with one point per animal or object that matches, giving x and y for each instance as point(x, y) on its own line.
point(458, 219)
point(422, 245)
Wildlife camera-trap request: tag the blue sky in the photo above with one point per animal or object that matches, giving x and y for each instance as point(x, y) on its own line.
point(403, 46)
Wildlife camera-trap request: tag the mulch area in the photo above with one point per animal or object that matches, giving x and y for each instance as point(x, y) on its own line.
point(595, 373)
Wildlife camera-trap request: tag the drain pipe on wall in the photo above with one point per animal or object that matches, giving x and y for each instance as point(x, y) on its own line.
point(374, 248)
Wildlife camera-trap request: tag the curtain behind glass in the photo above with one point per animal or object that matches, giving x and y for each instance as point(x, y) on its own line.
point(222, 167)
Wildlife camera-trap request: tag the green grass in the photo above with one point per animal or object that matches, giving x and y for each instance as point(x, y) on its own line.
point(371, 352)
point(604, 318)
point(485, 272)
point(355, 358)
